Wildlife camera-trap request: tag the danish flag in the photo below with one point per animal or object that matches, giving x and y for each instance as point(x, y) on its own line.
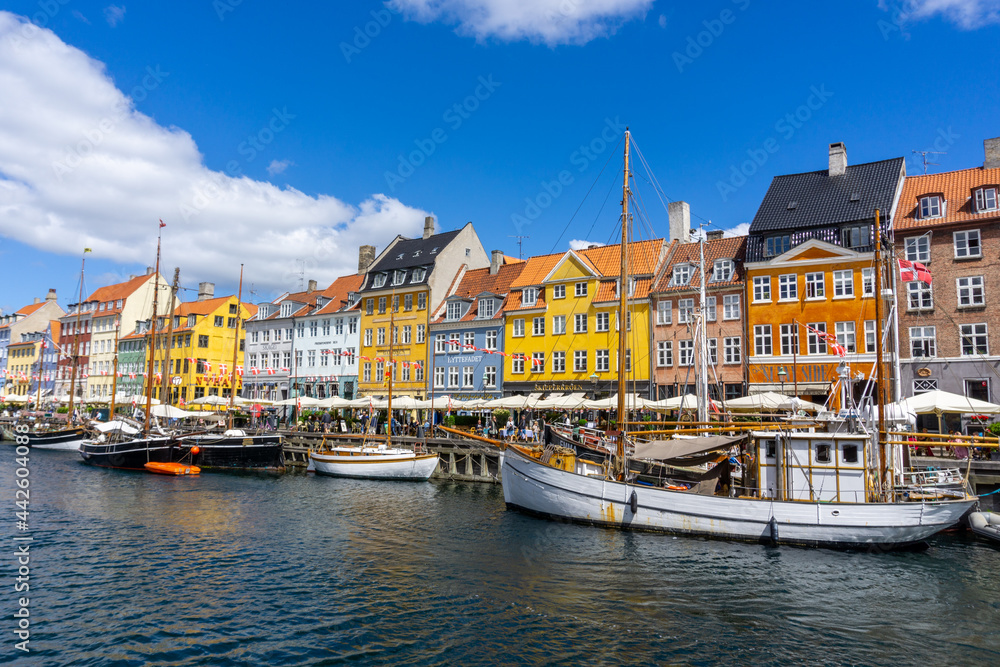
point(913, 271)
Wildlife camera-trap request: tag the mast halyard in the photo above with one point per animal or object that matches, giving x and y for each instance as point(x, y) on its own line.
point(152, 333)
point(880, 435)
point(76, 342)
point(114, 376)
point(622, 321)
point(165, 386)
point(236, 347)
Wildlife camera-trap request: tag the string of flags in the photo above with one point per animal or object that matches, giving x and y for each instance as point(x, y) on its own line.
point(831, 340)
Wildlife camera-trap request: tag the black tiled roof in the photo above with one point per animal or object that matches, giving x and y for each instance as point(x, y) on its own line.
point(814, 199)
point(410, 253)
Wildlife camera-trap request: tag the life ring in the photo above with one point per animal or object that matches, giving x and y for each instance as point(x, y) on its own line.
point(677, 488)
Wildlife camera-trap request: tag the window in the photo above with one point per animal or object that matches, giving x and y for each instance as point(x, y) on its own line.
point(313, 329)
point(352, 325)
point(580, 361)
point(664, 313)
point(967, 244)
point(395, 303)
point(930, 207)
point(604, 322)
point(919, 296)
point(710, 309)
point(408, 302)
point(469, 340)
point(815, 285)
point(537, 362)
point(580, 323)
point(439, 344)
point(453, 376)
point(823, 453)
point(970, 291)
point(312, 358)
point(681, 275)
point(491, 339)
point(398, 276)
point(529, 297)
point(379, 280)
point(857, 237)
point(731, 349)
point(366, 373)
point(580, 289)
point(986, 200)
point(558, 362)
point(380, 338)
point(762, 340)
point(814, 343)
point(558, 291)
point(490, 376)
point(368, 337)
point(487, 308)
point(369, 306)
point(788, 287)
point(404, 373)
point(219, 321)
point(664, 354)
point(326, 328)
point(974, 340)
point(789, 339)
point(685, 353)
point(202, 341)
point(924, 386)
point(454, 343)
point(298, 358)
point(422, 300)
point(407, 334)
point(843, 283)
point(722, 270)
point(731, 307)
point(421, 333)
point(867, 282)
point(517, 365)
point(454, 311)
point(775, 245)
point(628, 361)
point(870, 342)
point(918, 248)
point(538, 326)
point(762, 288)
point(381, 305)
point(713, 351)
point(559, 324)
point(846, 336)
point(468, 376)
point(518, 328)
point(685, 311)
point(439, 376)
point(923, 342)
point(418, 275)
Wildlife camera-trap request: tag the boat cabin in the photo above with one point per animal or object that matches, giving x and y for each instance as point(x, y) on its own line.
point(824, 467)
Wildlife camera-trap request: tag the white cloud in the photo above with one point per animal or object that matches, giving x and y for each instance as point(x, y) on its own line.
point(967, 14)
point(550, 22)
point(80, 167)
point(578, 244)
point(114, 14)
point(278, 166)
point(741, 229)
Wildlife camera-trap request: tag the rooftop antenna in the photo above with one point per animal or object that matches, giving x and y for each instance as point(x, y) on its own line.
point(302, 273)
point(520, 240)
point(923, 156)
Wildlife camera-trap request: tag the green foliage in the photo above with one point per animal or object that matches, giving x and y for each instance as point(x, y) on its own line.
point(501, 416)
point(581, 422)
point(449, 421)
point(62, 410)
point(995, 428)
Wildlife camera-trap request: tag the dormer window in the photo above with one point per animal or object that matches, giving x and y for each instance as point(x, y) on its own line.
point(286, 310)
point(776, 245)
point(986, 199)
point(631, 287)
point(191, 319)
point(857, 236)
point(487, 308)
point(722, 270)
point(352, 298)
point(529, 297)
point(379, 280)
point(398, 276)
point(118, 303)
point(418, 275)
point(454, 311)
point(681, 275)
point(930, 207)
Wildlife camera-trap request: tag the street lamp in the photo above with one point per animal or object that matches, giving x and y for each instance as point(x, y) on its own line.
point(593, 381)
point(782, 374)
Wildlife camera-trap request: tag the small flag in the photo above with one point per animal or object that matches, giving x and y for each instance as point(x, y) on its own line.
point(913, 271)
point(86, 250)
point(162, 224)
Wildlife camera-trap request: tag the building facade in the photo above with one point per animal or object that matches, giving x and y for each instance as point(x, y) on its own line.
point(327, 342)
point(949, 336)
point(33, 318)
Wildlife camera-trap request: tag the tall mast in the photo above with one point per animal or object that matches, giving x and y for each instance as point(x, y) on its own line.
point(152, 332)
point(76, 340)
point(880, 361)
point(114, 377)
point(41, 369)
point(703, 338)
point(389, 371)
point(165, 386)
point(622, 301)
point(236, 347)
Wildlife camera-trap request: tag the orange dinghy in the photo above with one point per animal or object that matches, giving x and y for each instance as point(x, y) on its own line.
point(172, 468)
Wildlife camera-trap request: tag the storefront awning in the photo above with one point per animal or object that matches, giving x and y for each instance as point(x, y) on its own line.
point(788, 388)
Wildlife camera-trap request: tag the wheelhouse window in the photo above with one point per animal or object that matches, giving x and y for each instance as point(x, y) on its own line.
point(930, 207)
point(967, 244)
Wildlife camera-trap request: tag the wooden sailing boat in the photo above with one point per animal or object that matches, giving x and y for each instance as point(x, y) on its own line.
point(839, 499)
point(381, 460)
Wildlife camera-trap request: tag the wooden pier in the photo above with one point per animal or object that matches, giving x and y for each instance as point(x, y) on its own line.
point(460, 460)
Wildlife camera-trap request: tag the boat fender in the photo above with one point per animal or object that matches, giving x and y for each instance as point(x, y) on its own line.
point(195, 450)
point(633, 503)
point(773, 528)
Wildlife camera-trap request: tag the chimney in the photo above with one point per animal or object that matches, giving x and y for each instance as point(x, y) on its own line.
point(496, 261)
point(206, 291)
point(311, 287)
point(992, 147)
point(366, 257)
point(680, 221)
point(838, 159)
point(714, 235)
point(149, 270)
point(51, 296)
point(37, 300)
point(428, 227)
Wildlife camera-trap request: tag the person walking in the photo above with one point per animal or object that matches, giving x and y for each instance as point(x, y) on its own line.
point(326, 419)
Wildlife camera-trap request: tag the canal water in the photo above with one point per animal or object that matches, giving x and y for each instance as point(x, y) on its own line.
point(137, 569)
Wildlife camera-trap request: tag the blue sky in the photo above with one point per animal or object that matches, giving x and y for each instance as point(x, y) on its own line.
point(283, 136)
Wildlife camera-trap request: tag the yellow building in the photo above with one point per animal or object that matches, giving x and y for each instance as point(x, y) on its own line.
point(562, 321)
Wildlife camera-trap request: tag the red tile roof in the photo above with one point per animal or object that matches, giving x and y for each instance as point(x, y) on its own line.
point(733, 247)
point(607, 290)
point(604, 260)
point(338, 291)
point(30, 308)
point(478, 281)
point(958, 190)
point(119, 290)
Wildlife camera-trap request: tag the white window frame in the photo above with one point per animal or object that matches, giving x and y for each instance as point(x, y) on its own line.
point(843, 284)
point(722, 270)
point(788, 287)
point(491, 339)
point(664, 312)
point(454, 311)
point(711, 308)
point(454, 377)
point(579, 361)
point(847, 336)
point(558, 325)
point(986, 199)
point(378, 280)
point(931, 206)
point(731, 307)
point(762, 289)
point(920, 292)
point(963, 246)
point(685, 353)
point(814, 344)
point(971, 291)
point(871, 342)
point(732, 349)
point(487, 308)
point(762, 342)
point(685, 311)
point(968, 332)
point(538, 326)
point(926, 339)
point(664, 353)
point(558, 291)
point(558, 362)
point(602, 322)
point(580, 323)
point(789, 339)
point(580, 289)
point(681, 275)
point(815, 285)
point(918, 248)
point(517, 328)
point(529, 297)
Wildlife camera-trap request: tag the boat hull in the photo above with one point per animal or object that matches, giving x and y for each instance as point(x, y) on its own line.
point(132, 454)
point(67, 440)
point(376, 465)
point(538, 489)
point(258, 452)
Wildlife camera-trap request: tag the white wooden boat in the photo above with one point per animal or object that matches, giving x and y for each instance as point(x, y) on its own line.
point(379, 462)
